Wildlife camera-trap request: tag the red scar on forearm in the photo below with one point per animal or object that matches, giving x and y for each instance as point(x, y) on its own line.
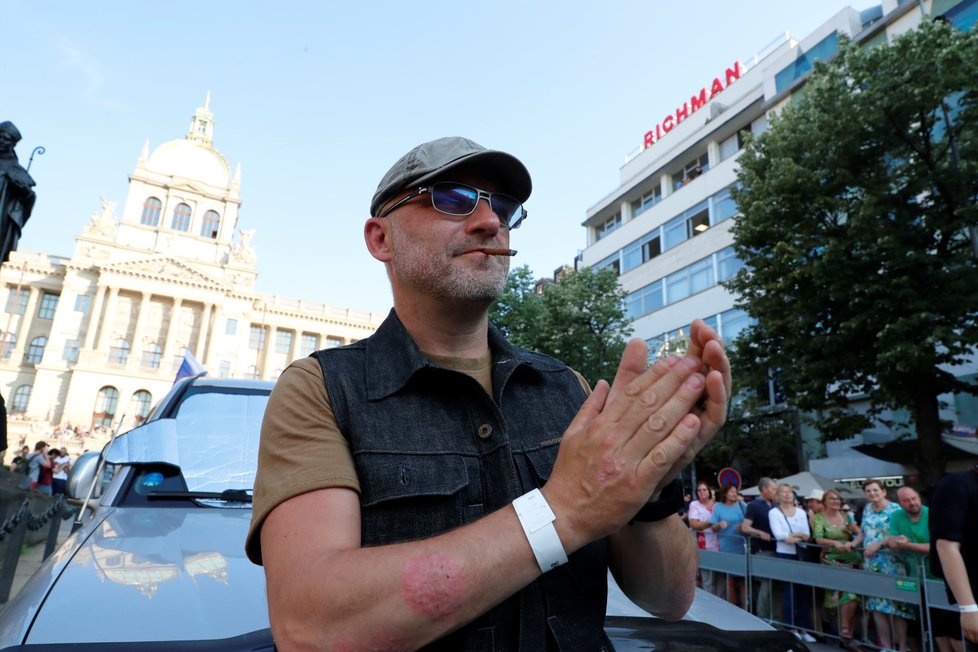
point(498, 251)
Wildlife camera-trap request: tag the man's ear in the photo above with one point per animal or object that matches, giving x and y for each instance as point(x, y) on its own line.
point(376, 233)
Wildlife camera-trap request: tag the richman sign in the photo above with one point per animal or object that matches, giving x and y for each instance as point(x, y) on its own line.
point(695, 103)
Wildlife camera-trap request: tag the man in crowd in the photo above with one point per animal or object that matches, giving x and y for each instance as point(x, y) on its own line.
point(757, 526)
point(954, 545)
point(910, 537)
point(463, 492)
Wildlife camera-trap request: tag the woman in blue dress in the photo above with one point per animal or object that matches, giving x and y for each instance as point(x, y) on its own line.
point(889, 616)
point(728, 514)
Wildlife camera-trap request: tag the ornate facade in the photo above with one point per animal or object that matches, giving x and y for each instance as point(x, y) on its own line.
point(95, 340)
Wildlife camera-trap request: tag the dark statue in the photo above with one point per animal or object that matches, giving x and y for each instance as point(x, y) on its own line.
point(16, 196)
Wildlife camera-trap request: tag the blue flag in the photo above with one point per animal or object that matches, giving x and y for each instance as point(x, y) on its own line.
point(189, 367)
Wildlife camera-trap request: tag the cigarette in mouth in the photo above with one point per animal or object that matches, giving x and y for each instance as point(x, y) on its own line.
point(498, 251)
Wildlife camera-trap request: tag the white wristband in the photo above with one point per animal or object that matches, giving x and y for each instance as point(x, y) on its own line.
point(537, 520)
point(968, 608)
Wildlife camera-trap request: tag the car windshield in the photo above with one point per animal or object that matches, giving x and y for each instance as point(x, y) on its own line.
point(213, 438)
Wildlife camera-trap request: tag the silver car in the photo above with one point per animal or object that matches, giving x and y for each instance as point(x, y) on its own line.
point(161, 565)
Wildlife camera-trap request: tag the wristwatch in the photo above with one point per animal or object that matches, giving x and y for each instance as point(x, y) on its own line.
point(670, 502)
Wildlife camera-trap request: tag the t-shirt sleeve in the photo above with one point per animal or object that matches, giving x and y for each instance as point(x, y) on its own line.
point(301, 448)
point(948, 510)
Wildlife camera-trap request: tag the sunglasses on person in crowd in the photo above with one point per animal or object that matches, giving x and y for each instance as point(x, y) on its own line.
point(460, 200)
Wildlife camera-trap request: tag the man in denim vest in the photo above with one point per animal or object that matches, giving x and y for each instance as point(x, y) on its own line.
point(435, 486)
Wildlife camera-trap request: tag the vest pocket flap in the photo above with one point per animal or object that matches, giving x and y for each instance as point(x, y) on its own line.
point(394, 477)
point(542, 460)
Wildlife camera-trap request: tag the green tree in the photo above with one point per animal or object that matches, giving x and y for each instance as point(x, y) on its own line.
point(580, 320)
point(518, 310)
point(855, 209)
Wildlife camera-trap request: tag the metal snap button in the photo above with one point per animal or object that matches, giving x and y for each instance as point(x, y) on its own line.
point(485, 431)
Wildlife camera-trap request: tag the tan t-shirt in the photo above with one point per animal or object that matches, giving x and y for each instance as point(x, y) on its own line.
point(303, 450)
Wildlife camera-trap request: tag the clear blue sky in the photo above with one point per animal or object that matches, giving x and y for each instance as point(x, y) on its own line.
point(317, 99)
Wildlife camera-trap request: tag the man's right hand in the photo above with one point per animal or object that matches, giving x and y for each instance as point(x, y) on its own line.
point(625, 444)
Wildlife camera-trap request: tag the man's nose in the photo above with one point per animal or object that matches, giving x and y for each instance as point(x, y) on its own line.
point(483, 218)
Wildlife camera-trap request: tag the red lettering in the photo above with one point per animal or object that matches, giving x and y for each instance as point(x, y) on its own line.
point(715, 88)
point(667, 124)
point(658, 131)
point(698, 101)
point(733, 74)
point(649, 140)
point(682, 113)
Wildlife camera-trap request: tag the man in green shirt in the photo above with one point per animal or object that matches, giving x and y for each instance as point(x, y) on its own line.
point(909, 532)
point(910, 537)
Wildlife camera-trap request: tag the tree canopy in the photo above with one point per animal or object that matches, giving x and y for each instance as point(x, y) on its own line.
point(855, 209)
point(579, 320)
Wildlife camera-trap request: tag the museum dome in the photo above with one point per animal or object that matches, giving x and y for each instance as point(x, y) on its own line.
point(194, 157)
point(191, 160)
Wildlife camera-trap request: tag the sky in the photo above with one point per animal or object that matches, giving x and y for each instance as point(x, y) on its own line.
point(317, 99)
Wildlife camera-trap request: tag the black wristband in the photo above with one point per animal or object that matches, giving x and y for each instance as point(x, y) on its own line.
point(670, 502)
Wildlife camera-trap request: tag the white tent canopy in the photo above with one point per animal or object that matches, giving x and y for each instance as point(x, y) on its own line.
point(805, 482)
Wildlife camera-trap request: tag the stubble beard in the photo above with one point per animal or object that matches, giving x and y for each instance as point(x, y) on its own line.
point(438, 273)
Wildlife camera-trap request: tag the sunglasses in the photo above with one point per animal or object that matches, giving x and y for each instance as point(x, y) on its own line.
point(460, 200)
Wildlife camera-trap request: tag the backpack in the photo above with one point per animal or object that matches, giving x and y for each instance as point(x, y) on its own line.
point(23, 464)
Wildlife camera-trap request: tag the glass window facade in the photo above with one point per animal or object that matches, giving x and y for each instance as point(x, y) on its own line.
point(151, 212)
point(49, 304)
point(795, 70)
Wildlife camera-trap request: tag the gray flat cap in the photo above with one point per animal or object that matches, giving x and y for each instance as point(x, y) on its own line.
point(429, 160)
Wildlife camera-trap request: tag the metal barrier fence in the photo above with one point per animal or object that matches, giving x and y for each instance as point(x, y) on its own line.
point(921, 593)
point(14, 529)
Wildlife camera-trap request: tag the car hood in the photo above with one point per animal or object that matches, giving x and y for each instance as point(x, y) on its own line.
point(152, 574)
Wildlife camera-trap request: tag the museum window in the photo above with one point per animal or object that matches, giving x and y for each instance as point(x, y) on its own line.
point(35, 351)
point(210, 225)
point(224, 369)
point(283, 341)
point(140, 404)
point(22, 395)
point(83, 303)
point(253, 372)
point(105, 407)
point(256, 338)
point(7, 346)
point(71, 350)
point(152, 208)
point(17, 300)
point(119, 351)
point(309, 344)
point(181, 218)
point(333, 342)
point(179, 357)
point(49, 304)
point(231, 327)
point(151, 356)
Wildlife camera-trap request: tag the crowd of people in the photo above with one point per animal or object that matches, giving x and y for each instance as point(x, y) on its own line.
point(45, 470)
point(872, 534)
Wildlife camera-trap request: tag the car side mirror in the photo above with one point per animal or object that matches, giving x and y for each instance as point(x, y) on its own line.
point(82, 476)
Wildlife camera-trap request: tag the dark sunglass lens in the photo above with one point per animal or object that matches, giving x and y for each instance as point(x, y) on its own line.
point(454, 199)
point(507, 208)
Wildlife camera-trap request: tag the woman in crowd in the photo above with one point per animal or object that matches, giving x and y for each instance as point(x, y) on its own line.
point(727, 516)
point(789, 526)
point(888, 616)
point(700, 511)
point(839, 535)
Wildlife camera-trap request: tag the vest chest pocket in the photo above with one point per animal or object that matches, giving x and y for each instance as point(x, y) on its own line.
point(408, 497)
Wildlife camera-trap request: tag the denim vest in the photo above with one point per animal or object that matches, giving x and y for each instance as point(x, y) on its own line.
point(434, 452)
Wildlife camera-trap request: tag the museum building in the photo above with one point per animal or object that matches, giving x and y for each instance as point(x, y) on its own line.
point(666, 228)
point(95, 338)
